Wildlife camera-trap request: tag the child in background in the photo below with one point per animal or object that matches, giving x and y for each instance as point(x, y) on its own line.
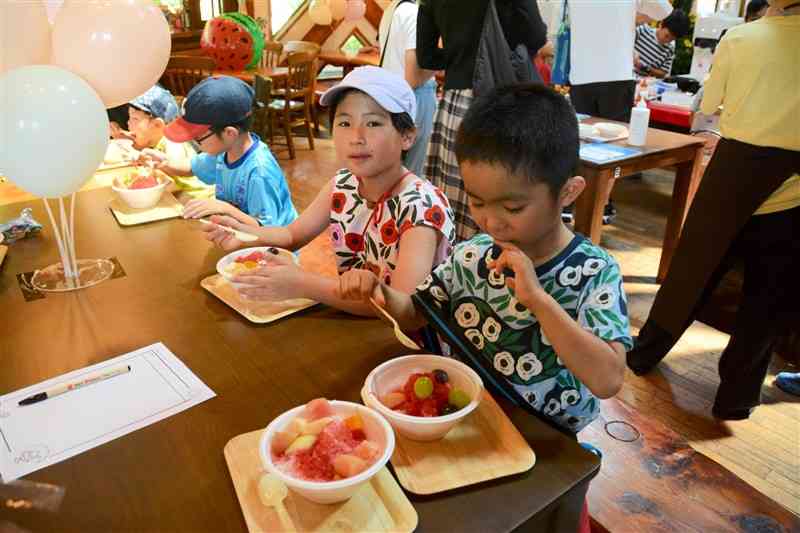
point(380, 216)
point(540, 308)
point(148, 116)
point(250, 186)
point(654, 49)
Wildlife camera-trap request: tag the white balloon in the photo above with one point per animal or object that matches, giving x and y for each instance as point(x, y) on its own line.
point(320, 13)
point(24, 34)
point(338, 9)
point(53, 130)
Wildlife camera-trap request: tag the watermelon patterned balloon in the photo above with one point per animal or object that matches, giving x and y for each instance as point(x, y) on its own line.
point(234, 40)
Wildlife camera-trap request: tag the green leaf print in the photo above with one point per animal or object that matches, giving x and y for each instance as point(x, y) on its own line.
point(470, 277)
point(590, 405)
point(589, 320)
point(347, 187)
point(498, 299)
point(558, 294)
point(503, 305)
point(459, 275)
point(561, 380)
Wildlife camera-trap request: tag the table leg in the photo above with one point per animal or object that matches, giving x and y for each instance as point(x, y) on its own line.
point(589, 205)
point(687, 179)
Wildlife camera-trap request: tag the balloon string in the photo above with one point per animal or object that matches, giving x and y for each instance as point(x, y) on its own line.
point(72, 236)
point(67, 246)
point(66, 265)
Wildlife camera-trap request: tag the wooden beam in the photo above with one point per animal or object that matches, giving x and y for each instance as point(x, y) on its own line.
point(373, 15)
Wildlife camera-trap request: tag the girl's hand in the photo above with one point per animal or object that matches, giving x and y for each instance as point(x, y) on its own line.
point(199, 208)
point(280, 280)
point(361, 285)
point(525, 283)
point(220, 237)
point(148, 156)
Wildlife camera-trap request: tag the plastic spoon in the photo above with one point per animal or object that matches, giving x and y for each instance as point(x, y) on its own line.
point(242, 236)
point(402, 337)
point(272, 491)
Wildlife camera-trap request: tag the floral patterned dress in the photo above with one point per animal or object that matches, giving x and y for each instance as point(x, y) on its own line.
point(477, 306)
point(369, 237)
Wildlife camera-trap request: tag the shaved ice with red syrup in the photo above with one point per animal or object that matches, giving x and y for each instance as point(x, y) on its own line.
point(321, 446)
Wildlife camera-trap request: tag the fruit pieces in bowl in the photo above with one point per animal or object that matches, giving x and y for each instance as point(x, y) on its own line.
point(243, 263)
point(142, 188)
point(339, 436)
point(247, 259)
point(321, 446)
point(427, 394)
point(141, 178)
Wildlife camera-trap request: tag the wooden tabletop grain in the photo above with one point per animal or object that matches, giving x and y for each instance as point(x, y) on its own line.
point(171, 476)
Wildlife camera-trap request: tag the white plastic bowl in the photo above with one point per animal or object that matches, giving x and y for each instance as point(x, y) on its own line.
point(376, 429)
point(231, 257)
point(610, 130)
point(142, 198)
point(586, 130)
point(393, 374)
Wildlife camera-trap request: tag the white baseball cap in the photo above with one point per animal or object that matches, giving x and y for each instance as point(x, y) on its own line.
point(392, 92)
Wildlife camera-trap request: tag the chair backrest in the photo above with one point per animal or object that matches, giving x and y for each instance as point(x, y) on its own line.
point(184, 72)
point(301, 46)
point(271, 56)
point(263, 90)
point(300, 80)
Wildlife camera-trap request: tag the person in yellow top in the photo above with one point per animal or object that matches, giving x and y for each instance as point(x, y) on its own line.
point(747, 208)
point(148, 116)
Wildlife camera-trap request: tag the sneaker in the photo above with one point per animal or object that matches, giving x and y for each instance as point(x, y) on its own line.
point(609, 213)
point(566, 214)
point(788, 382)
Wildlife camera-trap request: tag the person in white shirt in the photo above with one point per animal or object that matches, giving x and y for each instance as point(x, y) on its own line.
point(397, 38)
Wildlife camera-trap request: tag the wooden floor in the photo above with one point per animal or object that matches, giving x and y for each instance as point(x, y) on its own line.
point(764, 450)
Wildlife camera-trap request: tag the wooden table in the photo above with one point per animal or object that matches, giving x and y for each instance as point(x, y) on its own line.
point(336, 58)
point(278, 74)
point(663, 149)
point(171, 476)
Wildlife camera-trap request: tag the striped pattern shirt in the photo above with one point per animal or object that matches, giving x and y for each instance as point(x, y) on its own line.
point(652, 53)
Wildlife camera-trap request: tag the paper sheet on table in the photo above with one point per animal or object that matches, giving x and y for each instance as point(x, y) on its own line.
point(34, 436)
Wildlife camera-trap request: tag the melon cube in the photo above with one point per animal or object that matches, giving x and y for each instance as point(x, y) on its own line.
point(316, 426)
point(282, 440)
point(367, 450)
point(301, 443)
point(318, 408)
point(347, 465)
point(393, 399)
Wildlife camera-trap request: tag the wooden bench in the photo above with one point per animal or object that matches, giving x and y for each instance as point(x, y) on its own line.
point(659, 483)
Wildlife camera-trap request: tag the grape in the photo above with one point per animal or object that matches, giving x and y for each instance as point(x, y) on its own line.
point(458, 398)
point(448, 409)
point(440, 376)
point(423, 387)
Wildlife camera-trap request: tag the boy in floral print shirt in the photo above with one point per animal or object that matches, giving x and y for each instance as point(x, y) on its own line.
point(539, 306)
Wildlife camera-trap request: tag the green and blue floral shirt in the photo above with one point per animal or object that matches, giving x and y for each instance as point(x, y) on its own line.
point(477, 305)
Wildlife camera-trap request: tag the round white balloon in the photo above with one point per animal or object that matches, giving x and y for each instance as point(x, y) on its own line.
point(24, 35)
point(53, 130)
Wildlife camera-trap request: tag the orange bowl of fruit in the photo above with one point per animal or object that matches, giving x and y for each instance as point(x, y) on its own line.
point(142, 188)
point(248, 259)
point(423, 396)
point(324, 450)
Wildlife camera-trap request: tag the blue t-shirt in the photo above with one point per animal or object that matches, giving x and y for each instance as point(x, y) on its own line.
point(254, 183)
point(475, 304)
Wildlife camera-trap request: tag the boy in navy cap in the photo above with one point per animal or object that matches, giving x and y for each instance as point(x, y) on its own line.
point(250, 185)
point(148, 116)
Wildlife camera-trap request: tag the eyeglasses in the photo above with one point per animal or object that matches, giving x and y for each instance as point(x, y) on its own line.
point(204, 137)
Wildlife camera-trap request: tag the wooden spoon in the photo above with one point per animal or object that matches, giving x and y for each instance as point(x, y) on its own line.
point(402, 337)
point(241, 235)
point(272, 491)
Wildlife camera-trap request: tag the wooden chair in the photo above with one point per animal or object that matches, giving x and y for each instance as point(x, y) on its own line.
point(308, 47)
point(184, 72)
point(263, 96)
point(271, 56)
point(294, 108)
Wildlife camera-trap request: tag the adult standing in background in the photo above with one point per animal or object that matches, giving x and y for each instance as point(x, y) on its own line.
point(397, 40)
point(747, 206)
point(459, 24)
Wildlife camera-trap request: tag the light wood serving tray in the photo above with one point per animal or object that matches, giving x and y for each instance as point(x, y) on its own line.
point(483, 446)
point(166, 208)
point(379, 505)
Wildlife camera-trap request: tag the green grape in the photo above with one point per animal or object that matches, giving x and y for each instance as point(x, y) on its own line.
point(458, 398)
point(423, 387)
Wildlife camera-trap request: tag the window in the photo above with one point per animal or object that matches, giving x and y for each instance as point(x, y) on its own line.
point(282, 12)
point(210, 9)
point(353, 43)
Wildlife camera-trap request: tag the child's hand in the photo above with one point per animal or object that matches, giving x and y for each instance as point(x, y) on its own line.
point(220, 237)
point(361, 285)
point(280, 280)
point(116, 132)
point(199, 208)
point(525, 283)
point(148, 156)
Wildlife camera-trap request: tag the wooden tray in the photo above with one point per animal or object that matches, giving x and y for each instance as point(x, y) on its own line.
point(317, 256)
point(166, 208)
point(483, 446)
point(379, 505)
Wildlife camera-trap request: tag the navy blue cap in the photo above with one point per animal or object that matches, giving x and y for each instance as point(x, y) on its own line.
point(215, 101)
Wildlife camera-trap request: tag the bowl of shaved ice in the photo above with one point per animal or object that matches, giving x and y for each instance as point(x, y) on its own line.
point(247, 260)
point(142, 188)
point(324, 450)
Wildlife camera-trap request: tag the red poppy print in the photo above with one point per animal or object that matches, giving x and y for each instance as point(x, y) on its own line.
point(389, 233)
point(435, 216)
point(354, 241)
point(372, 267)
point(442, 197)
point(406, 225)
point(338, 201)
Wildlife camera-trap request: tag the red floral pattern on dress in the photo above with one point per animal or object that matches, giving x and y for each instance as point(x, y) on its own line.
point(360, 241)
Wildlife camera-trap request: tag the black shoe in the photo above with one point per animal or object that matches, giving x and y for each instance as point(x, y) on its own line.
point(609, 213)
point(566, 214)
point(652, 344)
point(742, 413)
point(638, 367)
